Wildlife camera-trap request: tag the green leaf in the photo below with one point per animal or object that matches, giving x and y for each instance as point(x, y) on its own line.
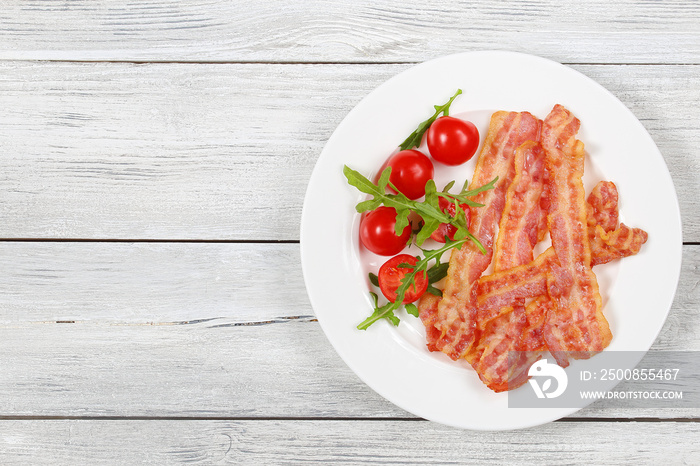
point(436, 254)
point(402, 220)
point(380, 312)
point(412, 309)
point(448, 186)
point(430, 226)
point(373, 279)
point(490, 185)
point(370, 204)
point(359, 181)
point(431, 195)
point(384, 179)
point(415, 138)
point(437, 272)
point(465, 194)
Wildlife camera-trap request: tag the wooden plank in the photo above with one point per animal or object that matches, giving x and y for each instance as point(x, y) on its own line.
point(227, 283)
point(150, 283)
point(155, 333)
point(182, 151)
point(196, 369)
point(590, 31)
point(347, 442)
point(260, 370)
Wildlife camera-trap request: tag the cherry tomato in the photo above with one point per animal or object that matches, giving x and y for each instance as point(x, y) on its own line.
point(377, 232)
point(452, 141)
point(445, 229)
point(390, 275)
point(410, 170)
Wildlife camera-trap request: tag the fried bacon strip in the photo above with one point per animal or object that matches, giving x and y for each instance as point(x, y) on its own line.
point(512, 342)
point(520, 224)
point(602, 207)
point(428, 313)
point(576, 323)
point(456, 313)
point(485, 319)
point(532, 338)
point(499, 338)
point(521, 221)
point(518, 232)
point(616, 244)
point(502, 289)
point(608, 241)
point(530, 280)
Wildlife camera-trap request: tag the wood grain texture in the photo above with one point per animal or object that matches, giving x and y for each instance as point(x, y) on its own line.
point(593, 31)
point(202, 120)
point(228, 283)
point(159, 330)
point(346, 442)
point(260, 370)
point(150, 283)
point(185, 151)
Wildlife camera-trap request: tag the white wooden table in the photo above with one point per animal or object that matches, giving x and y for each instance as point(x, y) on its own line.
point(153, 161)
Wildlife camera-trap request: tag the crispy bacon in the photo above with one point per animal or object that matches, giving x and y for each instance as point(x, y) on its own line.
point(532, 337)
point(499, 337)
point(510, 344)
point(530, 280)
point(457, 311)
point(485, 319)
point(602, 206)
point(520, 224)
point(502, 289)
point(428, 313)
point(621, 242)
point(576, 323)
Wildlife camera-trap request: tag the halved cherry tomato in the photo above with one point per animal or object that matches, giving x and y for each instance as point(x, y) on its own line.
point(390, 275)
point(445, 229)
point(377, 232)
point(410, 170)
point(452, 141)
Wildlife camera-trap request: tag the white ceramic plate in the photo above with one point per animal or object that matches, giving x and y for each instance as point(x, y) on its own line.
point(637, 291)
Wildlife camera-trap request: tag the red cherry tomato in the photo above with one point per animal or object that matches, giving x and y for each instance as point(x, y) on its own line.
point(452, 141)
point(377, 232)
point(445, 229)
point(410, 170)
point(390, 275)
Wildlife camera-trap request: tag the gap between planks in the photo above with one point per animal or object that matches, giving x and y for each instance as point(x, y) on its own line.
point(184, 241)
point(316, 418)
point(277, 320)
point(313, 63)
point(147, 240)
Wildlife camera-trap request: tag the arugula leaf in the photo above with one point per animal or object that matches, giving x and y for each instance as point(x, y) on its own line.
point(412, 309)
point(465, 194)
point(373, 279)
point(437, 272)
point(381, 312)
point(429, 209)
point(416, 137)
